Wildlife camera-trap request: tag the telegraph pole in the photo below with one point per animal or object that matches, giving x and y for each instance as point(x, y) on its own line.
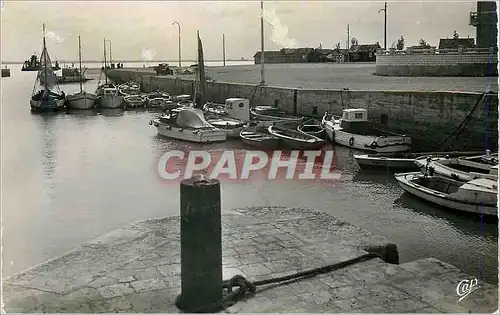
point(348, 39)
point(223, 50)
point(262, 78)
point(385, 24)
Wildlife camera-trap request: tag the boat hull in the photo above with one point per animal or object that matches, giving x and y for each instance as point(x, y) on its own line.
point(296, 140)
point(259, 137)
point(111, 101)
point(405, 181)
point(134, 102)
point(81, 100)
point(445, 171)
point(367, 162)
point(49, 105)
point(191, 135)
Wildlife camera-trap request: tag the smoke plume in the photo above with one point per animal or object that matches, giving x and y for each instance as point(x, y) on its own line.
point(147, 54)
point(54, 37)
point(279, 34)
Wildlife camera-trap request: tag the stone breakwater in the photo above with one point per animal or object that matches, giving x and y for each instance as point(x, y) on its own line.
point(429, 117)
point(137, 269)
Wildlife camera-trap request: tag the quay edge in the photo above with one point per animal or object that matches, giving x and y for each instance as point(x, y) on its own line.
point(137, 269)
point(429, 117)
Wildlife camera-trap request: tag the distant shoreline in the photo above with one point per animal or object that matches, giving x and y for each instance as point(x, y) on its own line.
point(126, 61)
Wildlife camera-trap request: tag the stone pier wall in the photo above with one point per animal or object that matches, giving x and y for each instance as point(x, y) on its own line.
point(428, 117)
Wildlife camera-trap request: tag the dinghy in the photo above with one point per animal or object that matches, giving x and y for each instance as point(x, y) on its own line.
point(82, 99)
point(477, 196)
point(45, 99)
point(269, 115)
point(295, 139)
point(259, 137)
point(400, 161)
point(129, 88)
point(135, 101)
point(188, 124)
point(461, 168)
point(354, 131)
point(313, 128)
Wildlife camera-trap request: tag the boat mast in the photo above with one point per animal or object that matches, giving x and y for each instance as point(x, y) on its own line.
point(44, 51)
point(105, 76)
point(80, 59)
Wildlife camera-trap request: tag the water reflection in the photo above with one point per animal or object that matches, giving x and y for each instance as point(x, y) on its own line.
point(111, 112)
point(383, 176)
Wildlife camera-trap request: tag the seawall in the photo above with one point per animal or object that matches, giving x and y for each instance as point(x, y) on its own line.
point(429, 117)
point(442, 63)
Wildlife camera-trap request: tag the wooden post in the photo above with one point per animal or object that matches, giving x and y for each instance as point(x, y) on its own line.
point(201, 246)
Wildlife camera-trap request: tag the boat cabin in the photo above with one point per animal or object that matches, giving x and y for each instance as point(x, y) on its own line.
point(355, 115)
point(238, 108)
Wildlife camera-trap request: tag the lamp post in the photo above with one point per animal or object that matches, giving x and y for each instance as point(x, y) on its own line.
point(179, 26)
point(385, 24)
point(110, 55)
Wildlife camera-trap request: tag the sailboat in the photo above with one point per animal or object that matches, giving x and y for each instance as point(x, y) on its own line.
point(82, 99)
point(107, 93)
point(45, 99)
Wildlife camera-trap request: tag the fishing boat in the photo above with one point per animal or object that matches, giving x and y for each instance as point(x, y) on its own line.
point(188, 124)
point(33, 64)
point(462, 168)
point(354, 131)
point(235, 107)
point(268, 115)
point(129, 88)
point(231, 126)
point(45, 99)
point(259, 137)
point(312, 127)
point(135, 101)
point(107, 93)
point(72, 75)
point(477, 196)
point(296, 139)
point(401, 161)
point(82, 99)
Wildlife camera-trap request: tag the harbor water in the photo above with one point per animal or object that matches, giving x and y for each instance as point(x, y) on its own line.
point(70, 177)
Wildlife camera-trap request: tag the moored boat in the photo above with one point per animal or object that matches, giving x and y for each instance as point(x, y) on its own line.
point(129, 88)
point(461, 168)
point(259, 137)
point(269, 115)
point(477, 196)
point(400, 161)
point(354, 131)
point(231, 126)
point(108, 95)
point(82, 99)
point(188, 124)
point(312, 127)
point(182, 97)
point(135, 101)
point(160, 102)
point(296, 139)
point(46, 99)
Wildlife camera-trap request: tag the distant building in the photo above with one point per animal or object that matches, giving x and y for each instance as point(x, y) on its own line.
point(363, 53)
point(285, 55)
point(339, 55)
point(454, 43)
point(485, 20)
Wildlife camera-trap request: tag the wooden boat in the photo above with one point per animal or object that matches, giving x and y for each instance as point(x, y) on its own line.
point(129, 88)
point(312, 127)
point(33, 64)
point(295, 139)
point(231, 126)
point(477, 196)
point(354, 131)
point(185, 103)
point(107, 93)
point(45, 99)
point(160, 102)
point(269, 115)
point(400, 161)
point(82, 99)
point(188, 124)
point(461, 168)
point(182, 97)
point(235, 107)
point(135, 101)
point(259, 137)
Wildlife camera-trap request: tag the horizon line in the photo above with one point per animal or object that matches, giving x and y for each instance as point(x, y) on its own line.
point(130, 60)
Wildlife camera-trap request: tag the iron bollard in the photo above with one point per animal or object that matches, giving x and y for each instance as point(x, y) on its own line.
point(201, 246)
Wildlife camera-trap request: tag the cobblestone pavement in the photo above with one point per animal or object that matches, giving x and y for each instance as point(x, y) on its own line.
point(137, 269)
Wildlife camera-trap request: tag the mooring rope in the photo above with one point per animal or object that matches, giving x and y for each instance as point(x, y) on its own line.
point(244, 286)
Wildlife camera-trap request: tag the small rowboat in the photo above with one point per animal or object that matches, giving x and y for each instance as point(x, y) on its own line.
point(312, 127)
point(135, 100)
point(259, 137)
point(296, 139)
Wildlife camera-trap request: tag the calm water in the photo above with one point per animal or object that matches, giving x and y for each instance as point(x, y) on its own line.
point(70, 177)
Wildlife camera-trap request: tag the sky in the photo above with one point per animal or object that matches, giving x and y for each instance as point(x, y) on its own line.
point(143, 30)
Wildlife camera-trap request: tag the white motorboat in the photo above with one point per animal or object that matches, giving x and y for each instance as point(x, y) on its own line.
point(135, 101)
point(237, 108)
point(477, 196)
point(354, 131)
point(46, 99)
point(462, 168)
point(188, 124)
point(82, 99)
